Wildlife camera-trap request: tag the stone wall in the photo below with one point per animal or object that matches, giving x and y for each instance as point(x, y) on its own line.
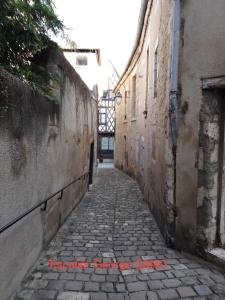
point(201, 56)
point(44, 145)
point(143, 147)
point(182, 184)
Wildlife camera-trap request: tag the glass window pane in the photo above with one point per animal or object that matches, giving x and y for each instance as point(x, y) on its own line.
point(102, 118)
point(105, 143)
point(111, 143)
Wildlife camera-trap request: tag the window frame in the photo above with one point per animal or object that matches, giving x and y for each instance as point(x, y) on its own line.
point(134, 96)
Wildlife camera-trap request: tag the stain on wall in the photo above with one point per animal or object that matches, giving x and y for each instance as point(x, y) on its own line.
point(148, 145)
point(39, 155)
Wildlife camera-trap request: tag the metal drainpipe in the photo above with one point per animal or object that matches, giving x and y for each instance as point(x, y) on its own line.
point(173, 99)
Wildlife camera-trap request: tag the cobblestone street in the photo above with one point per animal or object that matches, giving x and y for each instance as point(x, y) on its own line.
point(113, 224)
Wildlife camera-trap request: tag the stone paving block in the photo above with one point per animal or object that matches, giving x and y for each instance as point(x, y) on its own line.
point(98, 296)
point(130, 278)
point(66, 253)
point(66, 276)
point(38, 284)
point(82, 277)
point(89, 271)
point(186, 291)
point(172, 283)
point(73, 296)
point(218, 278)
point(147, 271)
point(37, 275)
point(192, 272)
point(107, 287)
point(115, 296)
point(112, 278)
point(101, 271)
point(129, 272)
point(138, 296)
point(120, 287)
point(55, 284)
point(152, 296)
point(202, 271)
point(44, 295)
point(25, 294)
point(137, 286)
point(91, 286)
point(108, 254)
point(179, 267)
point(203, 290)
point(129, 253)
point(205, 280)
point(215, 297)
point(113, 272)
point(98, 278)
point(152, 257)
point(172, 261)
point(73, 286)
point(167, 294)
point(142, 277)
point(189, 280)
point(155, 285)
point(179, 273)
point(157, 275)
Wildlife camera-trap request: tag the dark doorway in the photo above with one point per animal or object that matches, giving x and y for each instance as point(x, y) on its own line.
point(221, 176)
point(91, 163)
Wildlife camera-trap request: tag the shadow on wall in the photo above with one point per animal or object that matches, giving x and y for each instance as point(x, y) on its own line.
point(44, 145)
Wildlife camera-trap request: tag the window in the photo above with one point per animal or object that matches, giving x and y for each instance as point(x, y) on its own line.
point(102, 119)
point(125, 104)
point(111, 143)
point(107, 143)
point(81, 60)
point(133, 103)
point(102, 116)
point(155, 73)
point(147, 81)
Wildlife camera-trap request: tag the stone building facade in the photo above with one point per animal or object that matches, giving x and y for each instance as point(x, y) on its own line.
point(44, 146)
point(170, 123)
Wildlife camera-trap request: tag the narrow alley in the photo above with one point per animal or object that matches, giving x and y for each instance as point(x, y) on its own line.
point(113, 224)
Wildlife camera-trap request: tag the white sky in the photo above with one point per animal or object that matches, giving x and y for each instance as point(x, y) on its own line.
point(110, 25)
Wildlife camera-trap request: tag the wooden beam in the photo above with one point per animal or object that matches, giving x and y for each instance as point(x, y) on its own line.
point(213, 83)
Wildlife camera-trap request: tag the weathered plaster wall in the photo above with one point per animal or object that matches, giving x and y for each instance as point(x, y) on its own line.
point(147, 154)
point(43, 146)
point(181, 189)
point(201, 56)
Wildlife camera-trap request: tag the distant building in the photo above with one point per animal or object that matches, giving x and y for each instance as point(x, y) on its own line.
point(106, 126)
point(87, 62)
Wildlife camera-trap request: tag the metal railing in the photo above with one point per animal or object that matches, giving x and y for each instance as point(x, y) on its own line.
point(44, 202)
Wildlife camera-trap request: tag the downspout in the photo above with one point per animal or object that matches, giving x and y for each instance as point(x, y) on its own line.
point(173, 98)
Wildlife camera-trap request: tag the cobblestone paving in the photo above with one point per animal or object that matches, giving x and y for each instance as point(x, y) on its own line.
point(113, 224)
